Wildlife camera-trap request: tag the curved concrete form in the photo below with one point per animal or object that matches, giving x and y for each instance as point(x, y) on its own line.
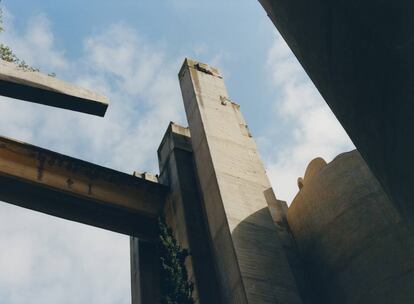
point(355, 246)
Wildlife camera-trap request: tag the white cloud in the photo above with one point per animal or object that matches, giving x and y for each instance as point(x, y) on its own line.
point(48, 260)
point(314, 129)
point(144, 91)
point(36, 44)
point(136, 76)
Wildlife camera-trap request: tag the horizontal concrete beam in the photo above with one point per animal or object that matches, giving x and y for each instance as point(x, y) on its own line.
point(43, 89)
point(76, 190)
point(360, 56)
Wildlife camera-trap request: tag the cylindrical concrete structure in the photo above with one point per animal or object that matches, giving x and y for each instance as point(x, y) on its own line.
point(355, 246)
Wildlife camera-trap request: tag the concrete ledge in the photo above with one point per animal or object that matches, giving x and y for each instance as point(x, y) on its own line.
point(40, 88)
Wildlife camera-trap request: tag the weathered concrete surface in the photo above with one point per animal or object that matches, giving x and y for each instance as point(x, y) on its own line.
point(39, 88)
point(76, 190)
point(184, 212)
point(359, 54)
point(248, 254)
point(278, 209)
point(355, 245)
point(145, 272)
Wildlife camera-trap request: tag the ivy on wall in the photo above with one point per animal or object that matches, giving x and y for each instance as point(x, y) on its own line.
point(175, 285)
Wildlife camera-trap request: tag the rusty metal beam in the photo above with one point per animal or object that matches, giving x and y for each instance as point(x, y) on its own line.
point(43, 89)
point(55, 184)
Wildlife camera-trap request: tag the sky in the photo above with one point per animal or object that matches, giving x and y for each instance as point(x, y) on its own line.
point(131, 51)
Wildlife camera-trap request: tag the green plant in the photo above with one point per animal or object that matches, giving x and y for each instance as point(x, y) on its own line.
point(175, 285)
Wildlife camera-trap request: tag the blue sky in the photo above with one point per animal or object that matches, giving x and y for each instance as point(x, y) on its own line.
point(131, 51)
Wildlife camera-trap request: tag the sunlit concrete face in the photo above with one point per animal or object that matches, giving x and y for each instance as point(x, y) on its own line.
point(355, 245)
point(250, 259)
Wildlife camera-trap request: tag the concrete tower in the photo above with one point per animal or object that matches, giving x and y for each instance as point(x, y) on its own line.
point(248, 254)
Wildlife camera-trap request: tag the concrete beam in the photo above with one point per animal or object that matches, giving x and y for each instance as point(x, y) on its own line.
point(359, 54)
point(39, 88)
point(76, 190)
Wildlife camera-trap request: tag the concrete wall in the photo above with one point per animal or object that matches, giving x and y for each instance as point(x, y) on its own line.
point(359, 54)
point(355, 246)
point(184, 213)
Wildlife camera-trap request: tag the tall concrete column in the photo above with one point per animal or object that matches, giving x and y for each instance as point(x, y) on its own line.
point(248, 254)
point(145, 281)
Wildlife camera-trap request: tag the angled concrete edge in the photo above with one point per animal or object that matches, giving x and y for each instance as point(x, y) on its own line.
point(43, 89)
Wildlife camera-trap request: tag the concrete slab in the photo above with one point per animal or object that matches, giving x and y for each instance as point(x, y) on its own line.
point(43, 89)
